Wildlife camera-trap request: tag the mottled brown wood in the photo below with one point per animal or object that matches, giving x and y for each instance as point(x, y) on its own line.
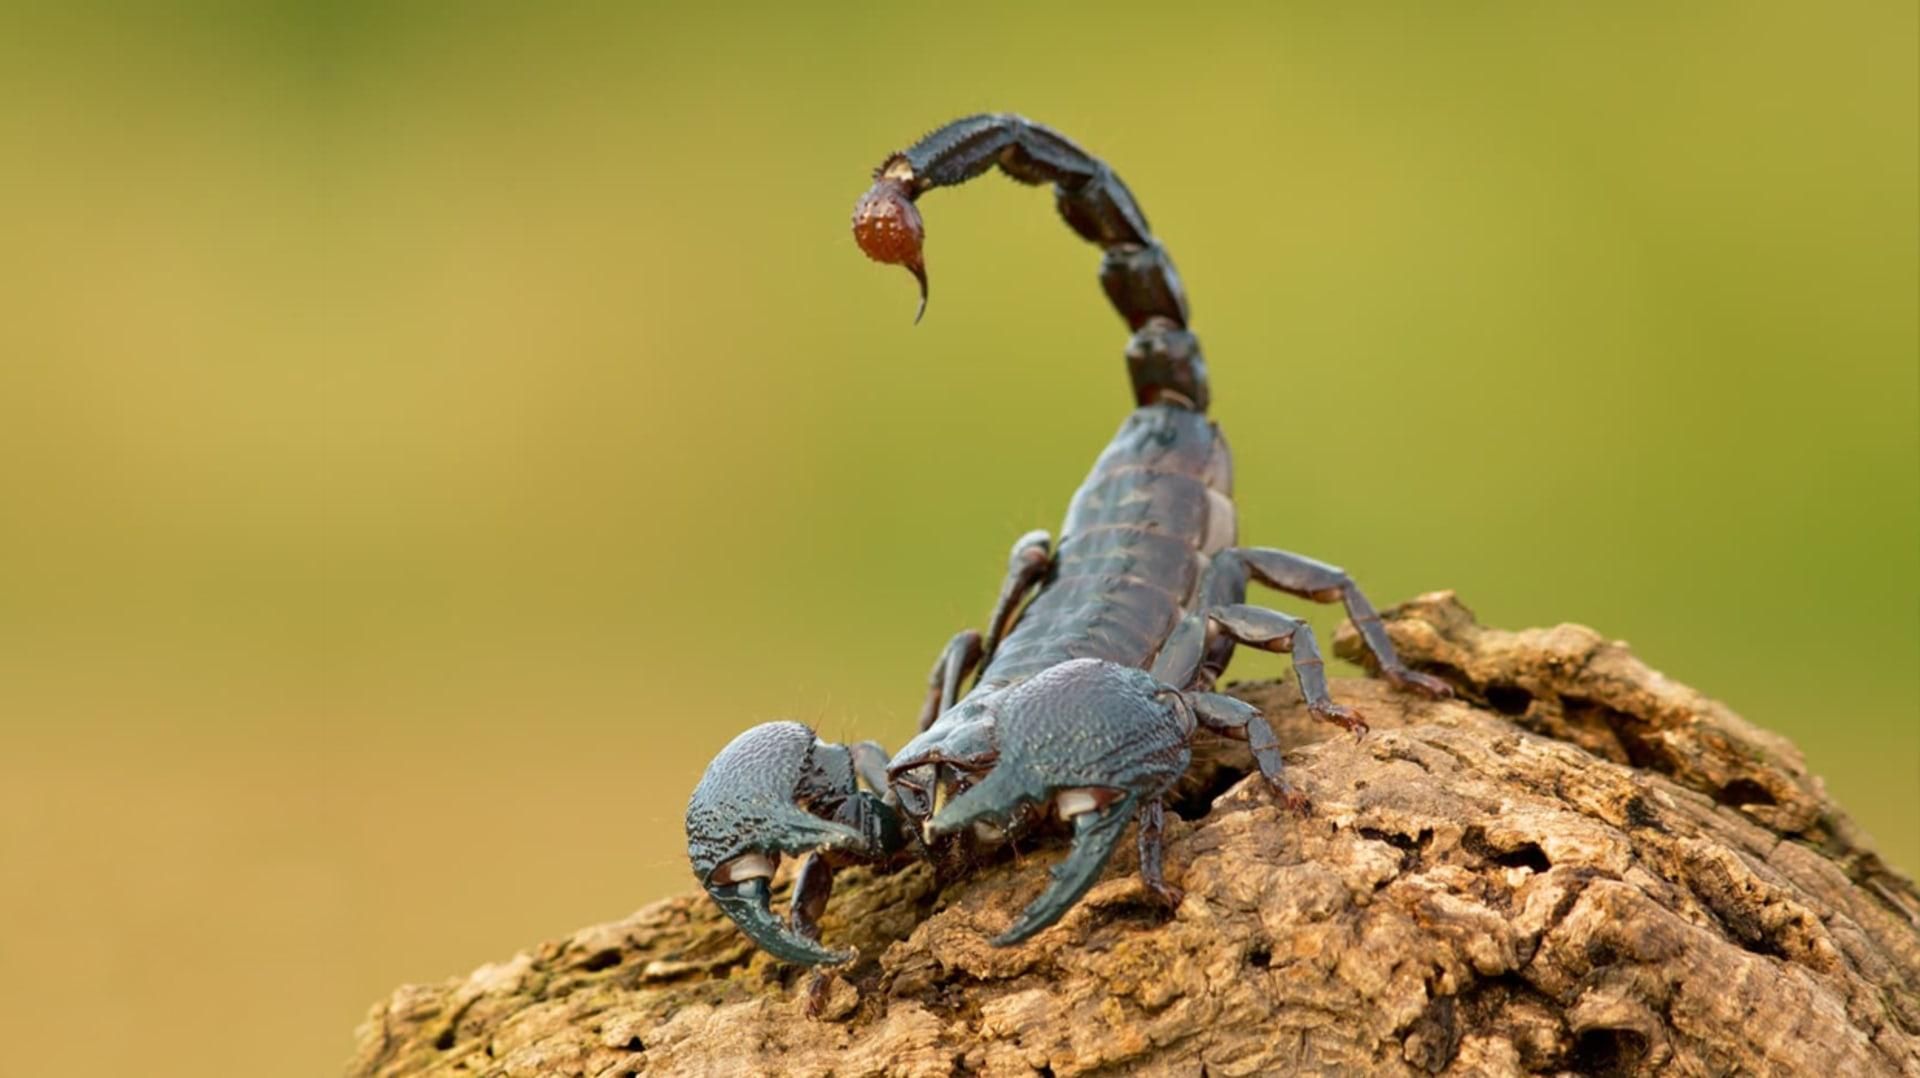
point(1580, 866)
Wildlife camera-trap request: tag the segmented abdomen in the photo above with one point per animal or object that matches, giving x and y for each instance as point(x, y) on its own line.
point(1132, 550)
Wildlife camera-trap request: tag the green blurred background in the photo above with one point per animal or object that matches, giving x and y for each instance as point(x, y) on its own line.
point(429, 432)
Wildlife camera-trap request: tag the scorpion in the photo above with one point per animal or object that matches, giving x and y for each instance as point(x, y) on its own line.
point(1101, 653)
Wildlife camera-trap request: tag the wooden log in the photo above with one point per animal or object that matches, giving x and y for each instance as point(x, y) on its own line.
point(1579, 866)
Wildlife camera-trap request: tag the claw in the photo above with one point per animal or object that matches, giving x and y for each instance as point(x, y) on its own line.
point(749, 903)
point(747, 812)
point(1095, 833)
point(1091, 740)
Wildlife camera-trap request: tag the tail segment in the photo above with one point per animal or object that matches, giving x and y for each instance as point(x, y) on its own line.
point(1138, 275)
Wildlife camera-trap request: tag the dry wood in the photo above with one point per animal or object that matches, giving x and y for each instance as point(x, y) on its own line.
point(1579, 866)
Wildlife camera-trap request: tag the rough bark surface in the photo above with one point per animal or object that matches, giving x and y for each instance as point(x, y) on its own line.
point(1579, 866)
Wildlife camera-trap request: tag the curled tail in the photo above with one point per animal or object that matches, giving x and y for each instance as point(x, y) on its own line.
point(1138, 275)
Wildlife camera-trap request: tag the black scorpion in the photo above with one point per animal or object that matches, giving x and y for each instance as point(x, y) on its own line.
point(1100, 655)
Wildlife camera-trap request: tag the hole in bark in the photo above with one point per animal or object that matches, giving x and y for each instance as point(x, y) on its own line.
point(1197, 803)
point(1629, 730)
point(1525, 855)
point(606, 958)
point(1492, 1003)
point(1435, 1037)
point(635, 1044)
point(1744, 792)
point(1608, 1051)
point(445, 1040)
point(1446, 672)
point(1045, 1071)
point(1409, 846)
point(1397, 841)
point(1142, 908)
point(1509, 699)
point(1260, 956)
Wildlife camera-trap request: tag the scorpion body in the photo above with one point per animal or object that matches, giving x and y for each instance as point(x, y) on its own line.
point(1100, 656)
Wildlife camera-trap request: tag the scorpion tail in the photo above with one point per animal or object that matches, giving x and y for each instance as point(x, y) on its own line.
point(1137, 273)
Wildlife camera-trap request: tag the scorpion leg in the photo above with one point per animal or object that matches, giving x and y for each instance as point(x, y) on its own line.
point(956, 663)
point(1296, 574)
point(1153, 819)
point(1201, 647)
point(1195, 654)
point(1273, 631)
point(811, 889)
point(1027, 566)
point(1242, 721)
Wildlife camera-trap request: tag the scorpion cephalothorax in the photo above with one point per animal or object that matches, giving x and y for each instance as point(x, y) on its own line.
point(1100, 656)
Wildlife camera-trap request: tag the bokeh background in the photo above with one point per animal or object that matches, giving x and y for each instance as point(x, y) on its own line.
point(429, 432)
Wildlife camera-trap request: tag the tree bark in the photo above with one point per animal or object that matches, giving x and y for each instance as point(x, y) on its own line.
point(1578, 866)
